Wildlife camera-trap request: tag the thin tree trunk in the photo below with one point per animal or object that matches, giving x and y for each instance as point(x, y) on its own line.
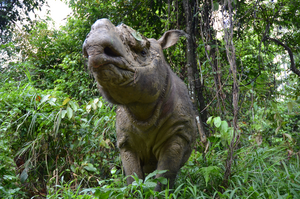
point(230, 51)
point(192, 64)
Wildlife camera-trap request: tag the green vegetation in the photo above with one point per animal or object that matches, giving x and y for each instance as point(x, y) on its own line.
point(57, 135)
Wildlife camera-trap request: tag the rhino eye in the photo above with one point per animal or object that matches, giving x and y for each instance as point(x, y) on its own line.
point(143, 52)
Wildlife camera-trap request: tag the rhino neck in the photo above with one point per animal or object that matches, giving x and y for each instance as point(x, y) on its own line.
point(147, 114)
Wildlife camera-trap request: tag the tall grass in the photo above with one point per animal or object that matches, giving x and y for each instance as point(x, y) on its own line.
point(258, 172)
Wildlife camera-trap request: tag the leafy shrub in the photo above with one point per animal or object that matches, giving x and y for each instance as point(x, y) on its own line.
point(51, 135)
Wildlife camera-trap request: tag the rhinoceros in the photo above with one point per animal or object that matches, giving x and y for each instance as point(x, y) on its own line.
point(155, 122)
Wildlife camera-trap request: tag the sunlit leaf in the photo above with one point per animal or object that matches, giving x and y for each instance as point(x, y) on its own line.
point(66, 101)
point(63, 113)
point(288, 136)
point(96, 100)
point(100, 104)
point(137, 36)
point(88, 108)
point(217, 122)
point(52, 101)
point(94, 105)
point(69, 112)
point(209, 120)
point(113, 170)
point(45, 98)
point(224, 126)
point(74, 105)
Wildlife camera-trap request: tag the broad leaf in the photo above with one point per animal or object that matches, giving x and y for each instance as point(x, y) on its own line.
point(209, 120)
point(224, 127)
point(90, 167)
point(69, 112)
point(66, 101)
point(217, 122)
point(63, 113)
point(74, 105)
point(45, 98)
point(24, 176)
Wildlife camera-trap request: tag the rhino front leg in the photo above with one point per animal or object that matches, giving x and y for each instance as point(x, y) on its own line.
point(131, 164)
point(172, 156)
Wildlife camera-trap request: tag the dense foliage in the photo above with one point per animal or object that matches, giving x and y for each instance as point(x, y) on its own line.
point(12, 11)
point(57, 135)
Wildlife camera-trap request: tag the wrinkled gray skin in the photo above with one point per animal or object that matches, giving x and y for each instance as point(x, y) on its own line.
point(155, 118)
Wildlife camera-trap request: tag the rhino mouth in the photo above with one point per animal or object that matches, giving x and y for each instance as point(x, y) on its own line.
point(99, 57)
point(114, 72)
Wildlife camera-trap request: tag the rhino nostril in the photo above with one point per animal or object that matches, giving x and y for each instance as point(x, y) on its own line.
point(110, 52)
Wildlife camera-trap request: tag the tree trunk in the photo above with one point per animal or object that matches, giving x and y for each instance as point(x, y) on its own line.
point(230, 52)
point(192, 65)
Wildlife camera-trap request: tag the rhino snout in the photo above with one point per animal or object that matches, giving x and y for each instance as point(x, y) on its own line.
point(103, 45)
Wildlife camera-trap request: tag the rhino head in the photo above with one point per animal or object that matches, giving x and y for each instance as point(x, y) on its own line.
point(127, 65)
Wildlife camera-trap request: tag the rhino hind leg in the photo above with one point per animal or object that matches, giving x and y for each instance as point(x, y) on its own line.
point(131, 164)
point(172, 157)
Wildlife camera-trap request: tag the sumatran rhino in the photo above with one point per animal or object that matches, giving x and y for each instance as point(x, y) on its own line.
point(155, 117)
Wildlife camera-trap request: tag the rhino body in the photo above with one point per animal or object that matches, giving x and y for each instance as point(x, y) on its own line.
point(155, 118)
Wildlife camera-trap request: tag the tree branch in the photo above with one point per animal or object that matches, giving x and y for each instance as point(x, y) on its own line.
point(293, 67)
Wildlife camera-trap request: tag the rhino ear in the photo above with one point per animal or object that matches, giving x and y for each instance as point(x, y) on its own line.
point(84, 50)
point(170, 38)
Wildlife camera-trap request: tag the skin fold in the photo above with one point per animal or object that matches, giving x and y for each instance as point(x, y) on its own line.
point(155, 117)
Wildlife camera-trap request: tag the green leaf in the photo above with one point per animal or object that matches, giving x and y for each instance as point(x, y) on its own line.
point(63, 113)
point(100, 104)
point(94, 105)
point(137, 36)
point(96, 100)
point(90, 167)
point(224, 127)
point(102, 194)
point(52, 101)
point(150, 184)
point(217, 122)
point(162, 180)
point(216, 6)
point(88, 108)
point(150, 175)
point(69, 112)
point(74, 105)
point(24, 176)
point(209, 171)
point(45, 98)
point(66, 101)
point(290, 106)
point(113, 170)
point(209, 120)
point(73, 169)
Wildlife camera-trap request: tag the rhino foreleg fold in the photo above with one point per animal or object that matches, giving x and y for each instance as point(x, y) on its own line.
point(131, 164)
point(172, 157)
